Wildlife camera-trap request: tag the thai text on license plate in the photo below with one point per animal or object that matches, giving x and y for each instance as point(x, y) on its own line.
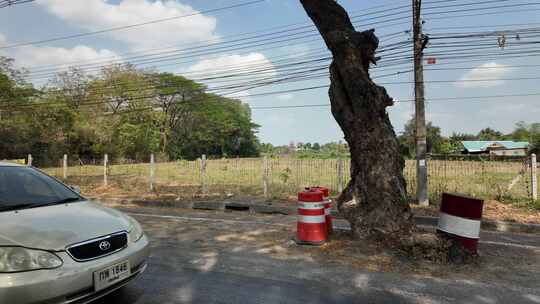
point(111, 275)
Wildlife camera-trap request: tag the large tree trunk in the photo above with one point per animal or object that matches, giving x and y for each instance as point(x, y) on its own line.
point(375, 200)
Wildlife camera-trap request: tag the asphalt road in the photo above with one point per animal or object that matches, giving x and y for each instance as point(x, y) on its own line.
point(201, 257)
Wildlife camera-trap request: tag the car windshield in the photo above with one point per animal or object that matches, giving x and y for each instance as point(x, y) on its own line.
point(24, 187)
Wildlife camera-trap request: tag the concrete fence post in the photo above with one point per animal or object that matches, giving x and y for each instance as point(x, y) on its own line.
point(105, 164)
point(265, 176)
point(152, 168)
point(29, 160)
point(65, 166)
point(340, 174)
point(204, 186)
point(534, 182)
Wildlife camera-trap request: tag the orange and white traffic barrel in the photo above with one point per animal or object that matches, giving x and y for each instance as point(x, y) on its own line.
point(327, 208)
point(311, 224)
point(460, 218)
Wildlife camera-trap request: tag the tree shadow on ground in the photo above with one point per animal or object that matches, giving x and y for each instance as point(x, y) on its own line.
point(233, 262)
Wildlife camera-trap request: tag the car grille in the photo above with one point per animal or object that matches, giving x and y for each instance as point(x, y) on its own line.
point(99, 247)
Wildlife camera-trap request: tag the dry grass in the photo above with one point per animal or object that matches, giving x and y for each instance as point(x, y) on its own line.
point(286, 176)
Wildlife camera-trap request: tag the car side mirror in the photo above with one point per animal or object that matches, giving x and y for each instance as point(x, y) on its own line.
point(77, 189)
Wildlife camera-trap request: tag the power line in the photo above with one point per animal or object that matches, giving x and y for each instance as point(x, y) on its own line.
point(468, 98)
point(253, 37)
point(46, 75)
point(260, 69)
point(94, 101)
point(6, 3)
point(218, 48)
point(328, 105)
point(484, 67)
point(326, 86)
point(197, 53)
point(305, 25)
point(435, 1)
point(292, 107)
point(298, 75)
point(479, 26)
point(427, 8)
point(285, 40)
point(482, 14)
point(132, 25)
point(523, 32)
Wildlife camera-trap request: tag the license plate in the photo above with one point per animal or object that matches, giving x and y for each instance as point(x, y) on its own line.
point(111, 275)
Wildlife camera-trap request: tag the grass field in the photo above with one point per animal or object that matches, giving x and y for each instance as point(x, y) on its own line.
point(286, 176)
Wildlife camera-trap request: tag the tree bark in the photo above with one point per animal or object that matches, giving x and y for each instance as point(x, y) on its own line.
point(375, 200)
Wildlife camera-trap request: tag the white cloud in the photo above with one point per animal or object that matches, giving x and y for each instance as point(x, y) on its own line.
point(297, 50)
point(96, 15)
point(39, 56)
point(3, 39)
point(36, 57)
point(223, 65)
point(285, 97)
point(490, 70)
point(31, 57)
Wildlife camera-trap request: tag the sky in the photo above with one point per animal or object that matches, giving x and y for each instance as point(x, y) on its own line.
point(46, 19)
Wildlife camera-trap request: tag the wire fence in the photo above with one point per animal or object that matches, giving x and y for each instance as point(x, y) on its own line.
point(502, 179)
point(499, 179)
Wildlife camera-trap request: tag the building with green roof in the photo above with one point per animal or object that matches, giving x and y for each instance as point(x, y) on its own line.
point(496, 147)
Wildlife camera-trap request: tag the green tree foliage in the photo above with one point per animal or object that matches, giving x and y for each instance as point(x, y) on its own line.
point(489, 134)
point(15, 130)
point(328, 150)
point(307, 150)
point(527, 132)
point(535, 145)
point(434, 138)
point(267, 148)
point(438, 144)
point(218, 126)
point(125, 112)
point(534, 129)
point(177, 98)
point(521, 132)
point(456, 138)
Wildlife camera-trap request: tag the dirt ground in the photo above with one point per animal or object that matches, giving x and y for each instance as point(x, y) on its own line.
point(493, 210)
point(270, 235)
point(505, 265)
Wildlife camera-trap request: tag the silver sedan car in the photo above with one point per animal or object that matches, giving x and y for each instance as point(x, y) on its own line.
point(58, 247)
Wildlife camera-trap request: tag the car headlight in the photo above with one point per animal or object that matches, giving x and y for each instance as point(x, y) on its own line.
point(17, 259)
point(135, 230)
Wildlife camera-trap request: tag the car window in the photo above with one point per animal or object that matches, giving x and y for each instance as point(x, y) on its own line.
point(24, 185)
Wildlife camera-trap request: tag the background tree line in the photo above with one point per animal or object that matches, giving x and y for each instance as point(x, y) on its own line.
point(123, 111)
point(438, 144)
point(307, 150)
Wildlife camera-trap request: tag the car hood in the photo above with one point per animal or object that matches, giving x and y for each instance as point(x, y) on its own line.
point(55, 227)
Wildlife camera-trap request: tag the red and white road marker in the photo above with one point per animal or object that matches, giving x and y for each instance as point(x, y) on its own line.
point(311, 223)
point(460, 218)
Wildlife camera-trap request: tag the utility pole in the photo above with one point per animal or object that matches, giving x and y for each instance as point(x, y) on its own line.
point(420, 114)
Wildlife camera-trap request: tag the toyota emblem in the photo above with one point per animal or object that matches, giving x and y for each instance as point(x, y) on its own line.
point(105, 245)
